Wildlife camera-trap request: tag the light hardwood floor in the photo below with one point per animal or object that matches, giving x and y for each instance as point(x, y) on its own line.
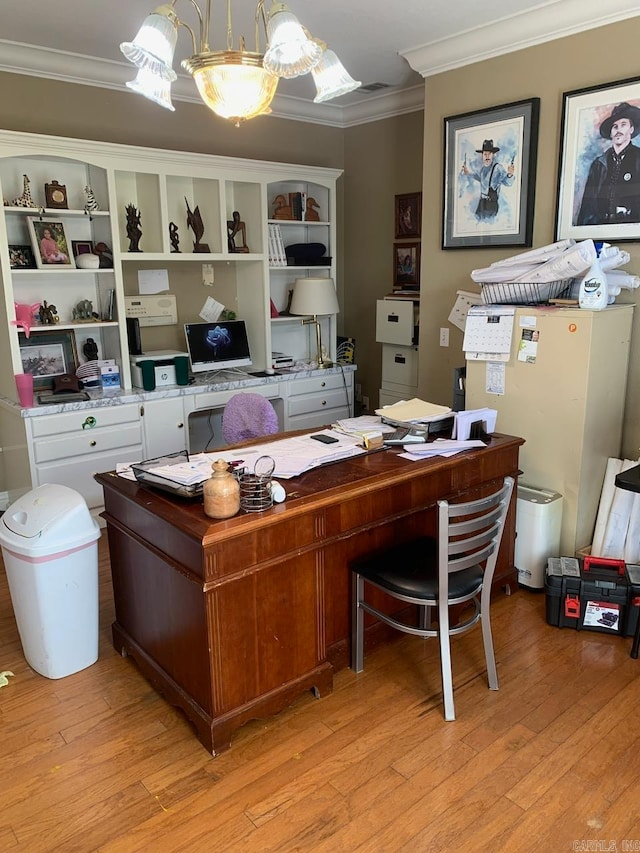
point(98, 761)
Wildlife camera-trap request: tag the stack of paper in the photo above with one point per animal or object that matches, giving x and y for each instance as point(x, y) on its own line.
point(364, 425)
point(413, 411)
point(440, 447)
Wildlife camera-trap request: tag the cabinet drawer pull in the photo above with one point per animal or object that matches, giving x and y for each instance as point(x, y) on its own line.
point(180, 426)
point(323, 384)
point(324, 402)
point(92, 443)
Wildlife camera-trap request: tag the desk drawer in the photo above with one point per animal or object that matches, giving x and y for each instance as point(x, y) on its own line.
point(219, 399)
point(304, 403)
point(88, 441)
point(73, 421)
point(317, 385)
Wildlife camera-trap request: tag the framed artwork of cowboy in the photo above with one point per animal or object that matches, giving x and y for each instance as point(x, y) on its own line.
point(599, 176)
point(490, 176)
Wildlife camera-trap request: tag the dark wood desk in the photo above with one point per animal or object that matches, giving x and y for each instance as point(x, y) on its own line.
point(231, 620)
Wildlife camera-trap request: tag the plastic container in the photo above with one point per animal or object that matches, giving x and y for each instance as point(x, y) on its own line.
point(538, 525)
point(50, 549)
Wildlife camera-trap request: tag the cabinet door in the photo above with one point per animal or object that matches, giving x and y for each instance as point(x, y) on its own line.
point(163, 427)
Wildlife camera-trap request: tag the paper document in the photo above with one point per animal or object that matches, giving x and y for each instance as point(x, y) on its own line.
point(464, 421)
point(153, 281)
point(413, 411)
point(441, 447)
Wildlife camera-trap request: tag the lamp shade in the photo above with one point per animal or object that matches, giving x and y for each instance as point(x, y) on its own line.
point(331, 78)
point(153, 87)
point(313, 296)
point(154, 45)
point(291, 52)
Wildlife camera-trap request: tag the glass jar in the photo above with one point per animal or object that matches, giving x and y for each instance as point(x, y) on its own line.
point(221, 492)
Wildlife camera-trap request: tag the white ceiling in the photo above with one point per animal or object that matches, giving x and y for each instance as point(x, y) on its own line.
point(378, 41)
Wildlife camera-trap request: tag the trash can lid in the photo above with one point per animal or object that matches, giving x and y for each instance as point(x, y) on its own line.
point(48, 516)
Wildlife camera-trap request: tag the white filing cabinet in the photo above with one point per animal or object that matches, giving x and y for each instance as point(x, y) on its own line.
point(397, 330)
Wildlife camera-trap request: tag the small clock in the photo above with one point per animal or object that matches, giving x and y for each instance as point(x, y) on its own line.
point(55, 195)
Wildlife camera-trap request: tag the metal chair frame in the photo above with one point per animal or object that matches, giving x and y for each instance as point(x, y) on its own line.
point(469, 536)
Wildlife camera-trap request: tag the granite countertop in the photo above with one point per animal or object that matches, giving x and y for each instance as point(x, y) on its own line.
point(229, 382)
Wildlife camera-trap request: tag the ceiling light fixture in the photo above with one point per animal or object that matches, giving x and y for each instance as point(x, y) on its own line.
point(235, 83)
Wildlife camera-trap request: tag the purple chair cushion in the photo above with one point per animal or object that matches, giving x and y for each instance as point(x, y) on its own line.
point(248, 416)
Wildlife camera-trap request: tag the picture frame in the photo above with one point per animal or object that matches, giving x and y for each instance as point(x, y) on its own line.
point(589, 118)
point(408, 215)
point(47, 354)
point(489, 199)
point(21, 258)
point(50, 244)
point(81, 247)
point(406, 265)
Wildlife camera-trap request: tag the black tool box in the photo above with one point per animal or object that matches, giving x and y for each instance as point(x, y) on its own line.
point(599, 595)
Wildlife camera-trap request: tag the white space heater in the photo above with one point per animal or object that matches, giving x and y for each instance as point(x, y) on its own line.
point(538, 523)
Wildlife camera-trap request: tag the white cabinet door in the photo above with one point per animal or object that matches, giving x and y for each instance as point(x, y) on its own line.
point(163, 426)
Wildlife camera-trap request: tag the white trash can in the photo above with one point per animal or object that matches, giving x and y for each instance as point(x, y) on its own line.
point(50, 548)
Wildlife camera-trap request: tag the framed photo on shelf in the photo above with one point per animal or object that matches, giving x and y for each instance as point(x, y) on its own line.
point(599, 174)
point(48, 354)
point(21, 258)
point(406, 265)
point(81, 247)
point(490, 176)
point(50, 244)
point(408, 219)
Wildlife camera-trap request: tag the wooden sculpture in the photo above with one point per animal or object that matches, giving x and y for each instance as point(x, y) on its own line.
point(282, 210)
point(134, 231)
point(194, 221)
point(311, 214)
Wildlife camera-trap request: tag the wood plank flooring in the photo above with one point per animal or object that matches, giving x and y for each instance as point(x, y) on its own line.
point(98, 761)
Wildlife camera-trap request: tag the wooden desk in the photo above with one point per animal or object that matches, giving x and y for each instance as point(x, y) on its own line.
point(231, 620)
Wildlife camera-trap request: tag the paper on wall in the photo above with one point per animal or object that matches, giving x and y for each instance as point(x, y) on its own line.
point(152, 281)
point(211, 310)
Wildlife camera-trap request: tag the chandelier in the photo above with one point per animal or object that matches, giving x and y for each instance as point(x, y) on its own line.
point(235, 83)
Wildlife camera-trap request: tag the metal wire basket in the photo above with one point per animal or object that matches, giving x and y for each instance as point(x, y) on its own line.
point(524, 292)
point(255, 489)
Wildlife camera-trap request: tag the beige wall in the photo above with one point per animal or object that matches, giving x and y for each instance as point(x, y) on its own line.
point(589, 59)
point(382, 159)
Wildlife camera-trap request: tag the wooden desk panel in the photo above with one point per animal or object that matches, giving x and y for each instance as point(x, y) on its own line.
point(232, 619)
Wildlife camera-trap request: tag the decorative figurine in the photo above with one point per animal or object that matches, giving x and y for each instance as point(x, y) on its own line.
point(90, 349)
point(105, 255)
point(236, 229)
point(282, 210)
point(83, 311)
point(174, 237)
point(25, 315)
point(55, 195)
point(90, 204)
point(25, 199)
point(310, 213)
point(134, 232)
point(194, 221)
point(48, 314)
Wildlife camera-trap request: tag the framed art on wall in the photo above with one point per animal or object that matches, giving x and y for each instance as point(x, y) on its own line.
point(599, 172)
point(489, 176)
point(406, 264)
point(408, 215)
point(48, 354)
point(50, 244)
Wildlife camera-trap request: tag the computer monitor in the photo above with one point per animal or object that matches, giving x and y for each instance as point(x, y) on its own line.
point(217, 346)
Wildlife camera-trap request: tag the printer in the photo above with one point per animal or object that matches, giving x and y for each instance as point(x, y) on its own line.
point(161, 372)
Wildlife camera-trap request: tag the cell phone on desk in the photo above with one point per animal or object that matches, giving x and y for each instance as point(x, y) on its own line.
point(325, 439)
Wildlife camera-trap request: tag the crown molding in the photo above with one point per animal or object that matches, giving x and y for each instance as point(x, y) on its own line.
point(33, 61)
point(549, 21)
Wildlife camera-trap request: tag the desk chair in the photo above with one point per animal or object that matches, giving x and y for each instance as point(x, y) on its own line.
point(248, 416)
point(456, 568)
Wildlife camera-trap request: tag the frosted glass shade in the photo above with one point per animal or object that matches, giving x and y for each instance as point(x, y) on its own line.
point(331, 78)
point(154, 45)
point(233, 83)
point(313, 296)
point(291, 53)
point(156, 89)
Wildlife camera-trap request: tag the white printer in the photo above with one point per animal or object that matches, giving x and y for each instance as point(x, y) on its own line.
point(164, 368)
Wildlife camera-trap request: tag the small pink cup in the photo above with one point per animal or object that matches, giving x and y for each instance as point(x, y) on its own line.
point(24, 384)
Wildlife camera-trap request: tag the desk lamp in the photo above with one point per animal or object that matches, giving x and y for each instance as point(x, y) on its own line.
point(315, 296)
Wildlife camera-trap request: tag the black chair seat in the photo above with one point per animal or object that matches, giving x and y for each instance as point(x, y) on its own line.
point(412, 569)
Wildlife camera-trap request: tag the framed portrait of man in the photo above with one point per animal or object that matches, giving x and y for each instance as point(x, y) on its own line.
point(599, 175)
point(489, 176)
